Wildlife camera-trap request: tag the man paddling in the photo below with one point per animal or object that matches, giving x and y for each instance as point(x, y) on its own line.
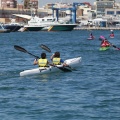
point(108, 43)
point(112, 35)
point(57, 60)
point(91, 36)
point(105, 43)
point(42, 62)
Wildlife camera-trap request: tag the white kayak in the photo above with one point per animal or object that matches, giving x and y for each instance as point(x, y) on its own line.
point(73, 63)
point(111, 37)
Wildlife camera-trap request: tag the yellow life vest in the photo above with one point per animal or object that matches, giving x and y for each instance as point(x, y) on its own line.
point(56, 61)
point(42, 62)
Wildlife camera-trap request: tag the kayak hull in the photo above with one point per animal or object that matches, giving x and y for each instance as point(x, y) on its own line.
point(73, 63)
point(104, 48)
point(111, 37)
point(90, 38)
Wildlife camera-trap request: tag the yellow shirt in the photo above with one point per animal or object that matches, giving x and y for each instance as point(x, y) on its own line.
point(42, 62)
point(56, 61)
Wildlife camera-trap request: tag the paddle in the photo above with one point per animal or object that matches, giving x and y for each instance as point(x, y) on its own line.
point(45, 48)
point(24, 50)
point(61, 68)
point(102, 38)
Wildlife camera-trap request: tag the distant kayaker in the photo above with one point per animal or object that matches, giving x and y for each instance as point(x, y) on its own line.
point(57, 60)
point(112, 34)
point(105, 43)
point(42, 62)
point(91, 36)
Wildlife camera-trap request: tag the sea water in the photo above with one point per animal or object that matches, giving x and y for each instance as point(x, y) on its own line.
point(92, 92)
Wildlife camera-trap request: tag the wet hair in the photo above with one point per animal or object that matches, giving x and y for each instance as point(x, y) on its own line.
point(57, 54)
point(43, 55)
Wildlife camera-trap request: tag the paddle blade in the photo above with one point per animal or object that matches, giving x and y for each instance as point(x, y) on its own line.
point(25, 51)
point(20, 48)
point(45, 48)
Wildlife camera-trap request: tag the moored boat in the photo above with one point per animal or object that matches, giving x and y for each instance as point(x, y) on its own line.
point(48, 24)
point(13, 26)
point(73, 63)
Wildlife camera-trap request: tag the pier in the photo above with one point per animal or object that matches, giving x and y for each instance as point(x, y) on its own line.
point(97, 28)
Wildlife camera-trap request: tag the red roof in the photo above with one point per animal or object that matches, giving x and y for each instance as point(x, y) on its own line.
point(87, 3)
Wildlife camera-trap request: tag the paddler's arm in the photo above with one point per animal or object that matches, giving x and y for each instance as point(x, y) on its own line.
point(52, 56)
point(64, 64)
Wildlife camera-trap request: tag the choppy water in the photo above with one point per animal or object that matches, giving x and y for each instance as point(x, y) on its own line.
point(90, 93)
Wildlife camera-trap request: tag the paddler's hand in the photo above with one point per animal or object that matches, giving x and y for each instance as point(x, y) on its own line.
point(35, 62)
point(52, 56)
point(52, 64)
point(65, 65)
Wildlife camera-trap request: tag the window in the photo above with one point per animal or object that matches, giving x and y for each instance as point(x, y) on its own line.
point(118, 12)
point(110, 12)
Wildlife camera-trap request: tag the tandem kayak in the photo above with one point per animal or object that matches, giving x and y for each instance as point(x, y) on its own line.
point(104, 48)
point(73, 63)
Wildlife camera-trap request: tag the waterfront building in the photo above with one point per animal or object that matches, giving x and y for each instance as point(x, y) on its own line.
point(30, 4)
point(101, 5)
point(7, 13)
point(112, 12)
point(8, 3)
point(113, 16)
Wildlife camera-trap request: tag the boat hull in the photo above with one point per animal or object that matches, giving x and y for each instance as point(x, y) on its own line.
point(32, 28)
point(73, 63)
point(12, 28)
point(90, 38)
point(104, 48)
point(62, 27)
point(111, 37)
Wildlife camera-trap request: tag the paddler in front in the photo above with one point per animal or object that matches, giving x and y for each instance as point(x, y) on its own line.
point(42, 62)
point(57, 60)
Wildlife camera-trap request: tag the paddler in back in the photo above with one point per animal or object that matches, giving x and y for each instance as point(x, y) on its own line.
point(57, 60)
point(42, 62)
